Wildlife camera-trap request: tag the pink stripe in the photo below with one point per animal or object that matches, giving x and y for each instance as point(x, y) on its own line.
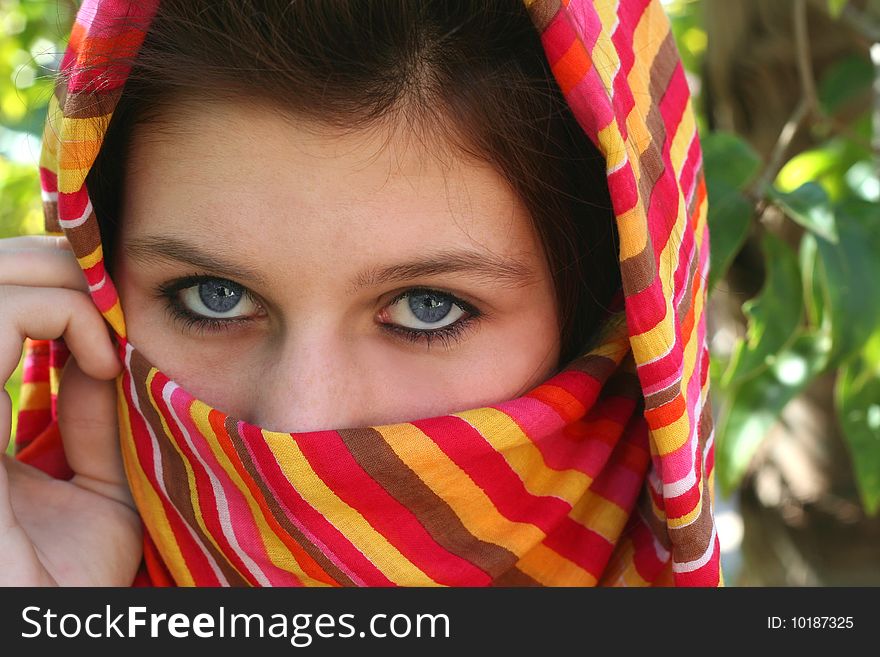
point(195, 560)
point(244, 526)
point(208, 503)
point(333, 463)
point(328, 538)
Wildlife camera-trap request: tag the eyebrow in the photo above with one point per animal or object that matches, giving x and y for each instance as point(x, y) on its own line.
point(152, 248)
point(483, 266)
point(480, 265)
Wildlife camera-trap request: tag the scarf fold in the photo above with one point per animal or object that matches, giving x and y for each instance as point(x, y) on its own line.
point(600, 475)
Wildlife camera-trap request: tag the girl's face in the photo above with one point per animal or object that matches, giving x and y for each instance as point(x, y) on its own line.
point(300, 279)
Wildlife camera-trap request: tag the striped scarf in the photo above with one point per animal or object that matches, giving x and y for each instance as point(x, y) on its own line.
point(600, 475)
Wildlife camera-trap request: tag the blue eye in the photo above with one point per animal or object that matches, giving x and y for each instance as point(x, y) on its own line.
point(425, 309)
point(429, 307)
point(217, 298)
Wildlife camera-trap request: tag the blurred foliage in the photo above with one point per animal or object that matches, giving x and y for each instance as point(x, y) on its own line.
point(33, 32)
point(32, 35)
point(819, 308)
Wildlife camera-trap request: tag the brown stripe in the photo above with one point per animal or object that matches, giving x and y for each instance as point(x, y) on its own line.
point(691, 542)
point(173, 470)
point(598, 367)
point(542, 12)
point(87, 104)
point(86, 238)
point(638, 272)
point(657, 526)
point(623, 384)
point(378, 460)
point(657, 399)
point(231, 426)
point(50, 217)
point(707, 423)
point(685, 304)
point(514, 577)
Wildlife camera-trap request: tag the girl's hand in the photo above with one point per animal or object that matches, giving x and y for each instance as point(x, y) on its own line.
point(85, 531)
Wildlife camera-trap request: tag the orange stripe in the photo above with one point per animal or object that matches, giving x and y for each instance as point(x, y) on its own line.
point(666, 414)
point(306, 562)
point(560, 400)
point(572, 67)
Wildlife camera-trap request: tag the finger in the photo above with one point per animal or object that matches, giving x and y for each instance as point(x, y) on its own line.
point(36, 242)
point(49, 313)
point(41, 268)
point(87, 421)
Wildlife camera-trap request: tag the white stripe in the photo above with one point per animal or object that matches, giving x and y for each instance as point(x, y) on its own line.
point(79, 221)
point(49, 197)
point(696, 564)
point(219, 494)
point(159, 474)
point(676, 488)
point(97, 286)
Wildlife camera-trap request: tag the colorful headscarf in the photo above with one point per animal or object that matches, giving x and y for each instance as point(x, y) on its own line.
point(601, 475)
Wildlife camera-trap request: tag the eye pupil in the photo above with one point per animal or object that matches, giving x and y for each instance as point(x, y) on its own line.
point(429, 307)
point(219, 296)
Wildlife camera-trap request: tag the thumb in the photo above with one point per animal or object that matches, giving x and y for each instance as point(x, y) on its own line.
point(87, 421)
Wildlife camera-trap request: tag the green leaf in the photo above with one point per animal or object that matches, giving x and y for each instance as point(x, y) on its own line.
point(852, 272)
point(774, 315)
point(730, 214)
point(809, 206)
point(857, 395)
point(814, 277)
point(729, 158)
point(729, 164)
point(827, 165)
point(835, 7)
point(846, 80)
point(753, 407)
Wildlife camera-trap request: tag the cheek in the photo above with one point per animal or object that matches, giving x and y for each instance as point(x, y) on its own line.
point(499, 362)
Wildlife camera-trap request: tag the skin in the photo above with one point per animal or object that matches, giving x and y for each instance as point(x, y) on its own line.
point(298, 223)
point(314, 213)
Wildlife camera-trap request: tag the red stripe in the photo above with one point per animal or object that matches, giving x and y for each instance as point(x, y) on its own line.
point(208, 503)
point(333, 463)
point(290, 499)
point(195, 562)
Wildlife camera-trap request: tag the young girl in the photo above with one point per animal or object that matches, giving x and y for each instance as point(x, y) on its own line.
point(374, 317)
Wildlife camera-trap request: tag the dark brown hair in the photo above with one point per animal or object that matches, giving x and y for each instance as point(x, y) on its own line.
point(474, 69)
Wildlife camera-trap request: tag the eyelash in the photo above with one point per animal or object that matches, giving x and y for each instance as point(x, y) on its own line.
point(191, 322)
point(448, 334)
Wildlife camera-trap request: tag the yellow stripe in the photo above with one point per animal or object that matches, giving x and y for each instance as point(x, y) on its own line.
point(684, 136)
point(278, 553)
point(604, 54)
point(633, 231)
point(35, 396)
point(55, 378)
point(551, 569)
point(49, 152)
point(346, 519)
point(467, 500)
point(609, 139)
point(115, 318)
point(601, 515)
point(149, 504)
point(190, 474)
point(648, 37)
point(524, 458)
point(92, 259)
point(689, 518)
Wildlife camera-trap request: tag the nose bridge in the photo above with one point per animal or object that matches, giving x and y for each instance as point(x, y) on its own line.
point(308, 384)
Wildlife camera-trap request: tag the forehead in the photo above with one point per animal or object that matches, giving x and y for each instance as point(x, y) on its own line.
point(280, 188)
